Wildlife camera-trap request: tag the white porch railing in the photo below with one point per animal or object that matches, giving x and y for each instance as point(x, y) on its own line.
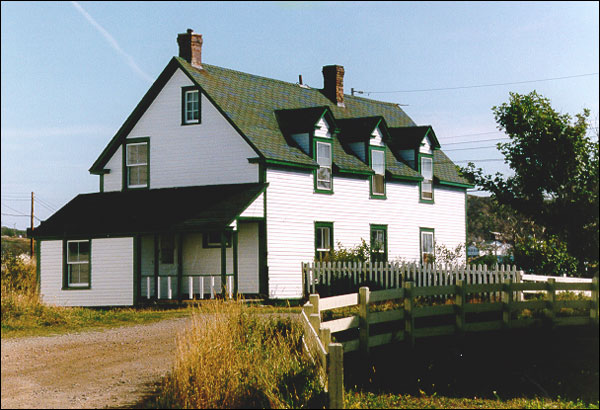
point(191, 286)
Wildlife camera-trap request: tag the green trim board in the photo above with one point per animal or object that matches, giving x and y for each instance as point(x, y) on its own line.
point(373, 228)
point(454, 184)
point(65, 265)
point(184, 91)
point(421, 231)
point(125, 183)
point(319, 225)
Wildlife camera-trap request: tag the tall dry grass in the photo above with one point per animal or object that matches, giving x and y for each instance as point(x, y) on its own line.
point(18, 286)
point(231, 357)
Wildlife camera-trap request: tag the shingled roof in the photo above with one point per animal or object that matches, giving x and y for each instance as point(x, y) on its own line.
point(251, 105)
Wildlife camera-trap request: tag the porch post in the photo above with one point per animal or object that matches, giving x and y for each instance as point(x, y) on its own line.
point(223, 264)
point(235, 263)
point(156, 256)
point(179, 267)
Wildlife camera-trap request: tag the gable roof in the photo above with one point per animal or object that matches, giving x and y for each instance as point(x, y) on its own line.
point(253, 106)
point(410, 137)
point(198, 208)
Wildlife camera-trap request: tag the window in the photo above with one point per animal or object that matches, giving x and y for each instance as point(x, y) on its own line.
point(78, 264)
point(378, 243)
point(136, 162)
point(378, 165)
point(167, 249)
point(323, 240)
point(324, 160)
point(427, 183)
point(213, 239)
point(191, 106)
point(427, 246)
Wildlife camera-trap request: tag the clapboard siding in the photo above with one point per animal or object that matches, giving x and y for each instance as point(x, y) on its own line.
point(202, 154)
point(111, 280)
point(248, 257)
point(292, 209)
point(256, 209)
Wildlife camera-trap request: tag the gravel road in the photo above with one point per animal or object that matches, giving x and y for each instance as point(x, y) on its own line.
point(110, 368)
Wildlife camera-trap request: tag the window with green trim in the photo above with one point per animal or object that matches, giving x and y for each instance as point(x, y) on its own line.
point(191, 106)
point(325, 161)
point(378, 165)
point(136, 164)
point(378, 243)
point(427, 246)
point(323, 240)
point(427, 183)
point(78, 264)
point(213, 239)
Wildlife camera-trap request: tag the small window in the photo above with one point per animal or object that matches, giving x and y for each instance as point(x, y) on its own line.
point(78, 263)
point(167, 249)
point(427, 243)
point(378, 165)
point(191, 106)
point(323, 240)
point(137, 165)
point(427, 183)
point(213, 239)
point(378, 243)
point(324, 160)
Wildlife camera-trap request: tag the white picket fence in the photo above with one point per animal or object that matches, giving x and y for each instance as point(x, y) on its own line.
point(324, 276)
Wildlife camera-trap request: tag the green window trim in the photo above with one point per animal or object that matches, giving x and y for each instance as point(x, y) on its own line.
point(421, 251)
point(131, 141)
point(421, 199)
point(372, 180)
point(320, 251)
point(66, 285)
point(211, 243)
point(314, 145)
point(185, 91)
point(376, 257)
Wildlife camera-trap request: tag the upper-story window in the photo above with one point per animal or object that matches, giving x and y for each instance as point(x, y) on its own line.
point(136, 164)
point(324, 159)
point(427, 173)
point(191, 106)
point(78, 264)
point(378, 165)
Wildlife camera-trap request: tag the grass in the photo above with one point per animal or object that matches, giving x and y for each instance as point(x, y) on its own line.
point(232, 357)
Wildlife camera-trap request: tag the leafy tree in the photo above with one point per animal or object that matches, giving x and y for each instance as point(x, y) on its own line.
point(555, 181)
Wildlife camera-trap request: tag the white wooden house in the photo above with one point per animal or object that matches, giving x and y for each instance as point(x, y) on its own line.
point(219, 175)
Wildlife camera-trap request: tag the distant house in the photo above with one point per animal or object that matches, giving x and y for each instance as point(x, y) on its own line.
point(219, 176)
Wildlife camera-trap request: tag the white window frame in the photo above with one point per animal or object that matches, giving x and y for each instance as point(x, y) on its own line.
point(128, 165)
point(423, 253)
point(324, 233)
point(380, 173)
point(329, 167)
point(70, 263)
point(189, 111)
point(427, 180)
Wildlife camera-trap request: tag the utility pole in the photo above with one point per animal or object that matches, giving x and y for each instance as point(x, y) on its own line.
point(31, 243)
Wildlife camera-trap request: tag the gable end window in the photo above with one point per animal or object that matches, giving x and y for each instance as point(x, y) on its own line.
point(190, 110)
point(77, 264)
point(378, 179)
point(426, 170)
point(323, 240)
point(136, 164)
point(324, 176)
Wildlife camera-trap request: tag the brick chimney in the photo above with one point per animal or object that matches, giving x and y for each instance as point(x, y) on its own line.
point(190, 47)
point(333, 83)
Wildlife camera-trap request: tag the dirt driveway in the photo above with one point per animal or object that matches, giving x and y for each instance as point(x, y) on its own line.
point(111, 368)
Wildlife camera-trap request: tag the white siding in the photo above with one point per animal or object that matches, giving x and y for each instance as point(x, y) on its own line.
point(303, 141)
point(111, 277)
point(425, 147)
point(256, 209)
point(322, 129)
point(201, 154)
point(248, 258)
point(292, 209)
point(377, 138)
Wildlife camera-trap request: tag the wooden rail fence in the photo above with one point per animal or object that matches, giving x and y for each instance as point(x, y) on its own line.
point(319, 333)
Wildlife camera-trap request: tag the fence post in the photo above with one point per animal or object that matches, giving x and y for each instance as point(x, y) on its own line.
point(363, 315)
point(551, 286)
point(594, 311)
point(507, 298)
point(314, 301)
point(460, 307)
point(409, 320)
point(335, 376)
point(315, 322)
point(325, 335)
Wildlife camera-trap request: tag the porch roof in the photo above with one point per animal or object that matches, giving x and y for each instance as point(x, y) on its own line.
point(197, 208)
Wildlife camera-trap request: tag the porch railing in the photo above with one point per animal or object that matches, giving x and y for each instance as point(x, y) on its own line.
point(191, 286)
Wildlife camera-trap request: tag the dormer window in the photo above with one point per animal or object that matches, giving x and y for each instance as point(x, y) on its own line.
point(324, 159)
point(378, 166)
point(190, 106)
point(427, 173)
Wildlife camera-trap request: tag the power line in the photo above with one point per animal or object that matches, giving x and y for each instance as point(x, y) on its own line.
point(475, 141)
point(476, 86)
point(464, 149)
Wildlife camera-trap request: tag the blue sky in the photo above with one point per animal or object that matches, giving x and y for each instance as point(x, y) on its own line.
point(72, 72)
